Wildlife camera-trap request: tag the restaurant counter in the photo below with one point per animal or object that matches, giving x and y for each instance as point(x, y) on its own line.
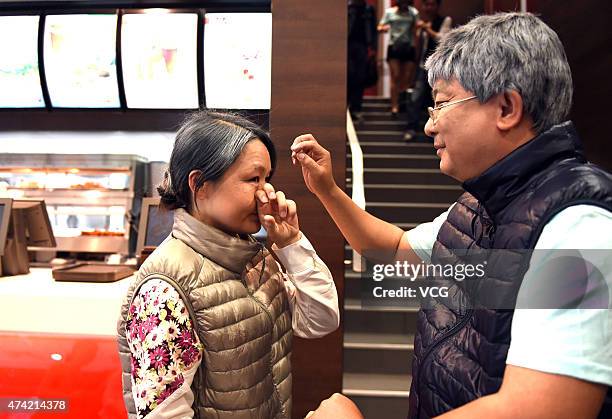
point(58, 341)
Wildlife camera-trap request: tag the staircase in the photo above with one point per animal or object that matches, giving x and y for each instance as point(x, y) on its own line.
point(404, 186)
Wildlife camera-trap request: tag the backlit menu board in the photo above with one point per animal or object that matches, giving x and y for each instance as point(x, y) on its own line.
point(159, 59)
point(19, 76)
point(80, 60)
point(238, 60)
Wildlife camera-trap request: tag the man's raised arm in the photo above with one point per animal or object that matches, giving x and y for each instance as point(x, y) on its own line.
point(362, 230)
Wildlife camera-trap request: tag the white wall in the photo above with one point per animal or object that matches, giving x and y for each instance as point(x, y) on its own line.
point(155, 146)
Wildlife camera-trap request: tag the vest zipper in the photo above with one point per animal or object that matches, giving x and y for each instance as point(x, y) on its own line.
point(263, 307)
point(453, 330)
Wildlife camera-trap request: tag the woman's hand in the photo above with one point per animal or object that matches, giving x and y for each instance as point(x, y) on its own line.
point(426, 26)
point(337, 406)
point(383, 28)
point(316, 164)
point(278, 215)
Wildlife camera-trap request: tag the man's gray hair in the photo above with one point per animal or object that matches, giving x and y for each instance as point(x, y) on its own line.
point(492, 54)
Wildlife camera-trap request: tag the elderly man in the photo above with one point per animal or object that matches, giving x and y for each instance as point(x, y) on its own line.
point(502, 90)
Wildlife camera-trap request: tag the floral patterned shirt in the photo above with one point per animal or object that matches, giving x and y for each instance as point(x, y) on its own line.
point(162, 342)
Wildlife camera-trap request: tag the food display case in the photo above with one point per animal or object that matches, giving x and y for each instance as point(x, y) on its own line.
point(93, 201)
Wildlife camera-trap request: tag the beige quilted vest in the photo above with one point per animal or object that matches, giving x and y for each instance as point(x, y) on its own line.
point(234, 291)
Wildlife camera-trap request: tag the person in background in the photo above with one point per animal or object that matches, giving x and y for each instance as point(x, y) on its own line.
point(206, 327)
point(362, 45)
point(400, 21)
point(503, 91)
point(430, 29)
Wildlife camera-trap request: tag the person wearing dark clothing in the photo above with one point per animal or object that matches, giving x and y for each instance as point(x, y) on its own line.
point(362, 38)
point(400, 22)
point(503, 92)
point(429, 32)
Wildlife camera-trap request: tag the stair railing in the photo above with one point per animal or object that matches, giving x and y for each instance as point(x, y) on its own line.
point(358, 194)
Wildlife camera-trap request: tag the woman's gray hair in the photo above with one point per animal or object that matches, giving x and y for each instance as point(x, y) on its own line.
point(492, 54)
point(209, 142)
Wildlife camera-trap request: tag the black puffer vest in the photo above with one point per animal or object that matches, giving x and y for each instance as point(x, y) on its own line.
point(461, 348)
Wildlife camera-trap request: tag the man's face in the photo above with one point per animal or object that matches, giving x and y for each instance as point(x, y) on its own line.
point(465, 134)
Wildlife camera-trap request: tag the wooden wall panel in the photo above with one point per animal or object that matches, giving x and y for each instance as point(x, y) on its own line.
point(100, 120)
point(309, 95)
point(461, 10)
point(583, 29)
point(492, 6)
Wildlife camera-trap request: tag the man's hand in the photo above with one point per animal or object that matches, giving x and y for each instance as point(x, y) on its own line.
point(336, 407)
point(316, 164)
point(278, 215)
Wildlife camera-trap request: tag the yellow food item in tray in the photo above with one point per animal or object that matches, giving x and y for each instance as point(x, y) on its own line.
point(28, 184)
point(102, 233)
point(87, 185)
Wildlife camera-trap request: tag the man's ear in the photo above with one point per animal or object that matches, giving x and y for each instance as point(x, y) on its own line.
point(511, 110)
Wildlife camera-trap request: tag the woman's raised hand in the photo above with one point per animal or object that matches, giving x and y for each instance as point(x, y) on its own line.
point(278, 215)
point(315, 162)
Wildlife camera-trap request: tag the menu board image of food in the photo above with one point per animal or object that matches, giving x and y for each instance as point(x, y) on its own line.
point(80, 60)
point(19, 76)
point(238, 60)
point(159, 59)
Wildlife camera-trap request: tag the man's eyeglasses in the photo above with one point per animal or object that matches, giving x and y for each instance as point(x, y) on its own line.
point(433, 112)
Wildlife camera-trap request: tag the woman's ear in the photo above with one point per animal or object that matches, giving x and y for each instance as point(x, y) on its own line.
point(511, 110)
point(194, 175)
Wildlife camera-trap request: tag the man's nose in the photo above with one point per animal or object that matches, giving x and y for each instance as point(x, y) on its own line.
point(430, 128)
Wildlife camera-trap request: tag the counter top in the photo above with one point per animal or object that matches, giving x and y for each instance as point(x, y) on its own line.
point(39, 304)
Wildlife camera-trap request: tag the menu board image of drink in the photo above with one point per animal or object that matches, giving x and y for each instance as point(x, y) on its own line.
point(159, 58)
point(238, 60)
point(19, 76)
point(80, 61)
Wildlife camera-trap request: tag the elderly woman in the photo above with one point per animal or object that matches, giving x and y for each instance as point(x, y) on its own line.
point(206, 327)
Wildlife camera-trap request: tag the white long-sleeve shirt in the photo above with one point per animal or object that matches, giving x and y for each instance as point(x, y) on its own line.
point(161, 380)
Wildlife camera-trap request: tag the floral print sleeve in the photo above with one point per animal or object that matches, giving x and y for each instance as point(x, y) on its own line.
point(162, 342)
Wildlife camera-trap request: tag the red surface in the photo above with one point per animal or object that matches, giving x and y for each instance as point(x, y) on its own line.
point(88, 374)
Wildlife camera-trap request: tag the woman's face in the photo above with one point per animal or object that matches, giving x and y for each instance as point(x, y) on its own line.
point(229, 202)
point(403, 4)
